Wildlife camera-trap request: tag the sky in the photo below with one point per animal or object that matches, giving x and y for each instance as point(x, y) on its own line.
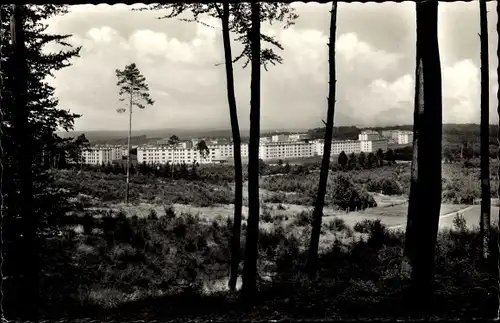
point(375, 59)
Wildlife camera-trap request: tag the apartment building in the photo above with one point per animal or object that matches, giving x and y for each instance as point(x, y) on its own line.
point(372, 146)
point(270, 148)
point(279, 138)
point(368, 135)
point(165, 154)
point(218, 153)
point(338, 146)
point(298, 137)
point(404, 137)
point(286, 149)
point(97, 155)
point(387, 133)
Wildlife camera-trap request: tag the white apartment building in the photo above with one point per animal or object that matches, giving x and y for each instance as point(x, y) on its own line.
point(269, 149)
point(298, 137)
point(347, 146)
point(279, 138)
point(353, 146)
point(372, 146)
point(368, 135)
point(338, 146)
point(165, 154)
point(97, 155)
point(286, 149)
point(404, 137)
point(387, 133)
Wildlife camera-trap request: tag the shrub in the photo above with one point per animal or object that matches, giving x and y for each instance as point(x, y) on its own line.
point(304, 218)
point(266, 216)
point(169, 211)
point(459, 223)
point(337, 225)
point(347, 197)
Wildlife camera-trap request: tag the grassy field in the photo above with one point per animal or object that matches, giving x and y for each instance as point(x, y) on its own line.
point(471, 215)
point(101, 193)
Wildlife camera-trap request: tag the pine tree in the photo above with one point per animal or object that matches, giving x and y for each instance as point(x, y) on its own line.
point(43, 117)
point(312, 260)
point(135, 91)
point(235, 18)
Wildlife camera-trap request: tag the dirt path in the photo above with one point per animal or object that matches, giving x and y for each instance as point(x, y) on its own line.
point(445, 220)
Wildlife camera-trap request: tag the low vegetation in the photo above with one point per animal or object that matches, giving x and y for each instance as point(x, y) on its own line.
point(108, 264)
point(111, 188)
point(114, 267)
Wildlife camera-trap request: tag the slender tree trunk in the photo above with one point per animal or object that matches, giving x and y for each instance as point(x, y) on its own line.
point(312, 260)
point(238, 169)
point(251, 248)
point(28, 248)
point(129, 146)
point(485, 221)
point(425, 190)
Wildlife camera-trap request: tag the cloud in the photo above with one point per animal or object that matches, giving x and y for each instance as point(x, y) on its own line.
point(375, 57)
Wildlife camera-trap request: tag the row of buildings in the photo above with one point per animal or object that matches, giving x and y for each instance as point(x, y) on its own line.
point(398, 137)
point(103, 154)
point(219, 151)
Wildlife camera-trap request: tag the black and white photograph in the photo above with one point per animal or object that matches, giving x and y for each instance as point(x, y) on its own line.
point(250, 161)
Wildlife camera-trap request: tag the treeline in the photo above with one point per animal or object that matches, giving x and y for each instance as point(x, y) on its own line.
point(452, 133)
point(214, 173)
point(365, 161)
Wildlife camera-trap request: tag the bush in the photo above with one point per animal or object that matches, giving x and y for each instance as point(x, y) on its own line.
point(337, 225)
point(304, 218)
point(266, 216)
point(347, 197)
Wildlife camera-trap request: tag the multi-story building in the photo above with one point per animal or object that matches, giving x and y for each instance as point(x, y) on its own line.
point(279, 138)
point(353, 146)
point(298, 137)
point(387, 133)
point(97, 155)
point(404, 137)
point(164, 154)
point(368, 135)
point(338, 146)
point(372, 146)
point(286, 149)
point(269, 148)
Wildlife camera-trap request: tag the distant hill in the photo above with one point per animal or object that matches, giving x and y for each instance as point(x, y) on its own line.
point(150, 136)
point(452, 133)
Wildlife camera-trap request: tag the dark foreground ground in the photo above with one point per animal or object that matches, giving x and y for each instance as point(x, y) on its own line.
point(158, 268)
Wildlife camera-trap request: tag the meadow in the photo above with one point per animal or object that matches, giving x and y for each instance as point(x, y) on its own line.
point(171, 246)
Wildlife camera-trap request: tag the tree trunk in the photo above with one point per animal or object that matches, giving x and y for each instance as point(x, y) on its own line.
point(251, 248)
point(312, 260)
point(28, 248)
point(238, 169)
point(485, 221)
point(425, 190)
point(129, 146)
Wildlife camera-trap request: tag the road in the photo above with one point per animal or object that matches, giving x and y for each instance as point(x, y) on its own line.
point(470, 214)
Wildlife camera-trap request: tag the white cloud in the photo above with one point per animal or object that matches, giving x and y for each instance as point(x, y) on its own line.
point(375, 66)
point(461, 90)
point(355, 51)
